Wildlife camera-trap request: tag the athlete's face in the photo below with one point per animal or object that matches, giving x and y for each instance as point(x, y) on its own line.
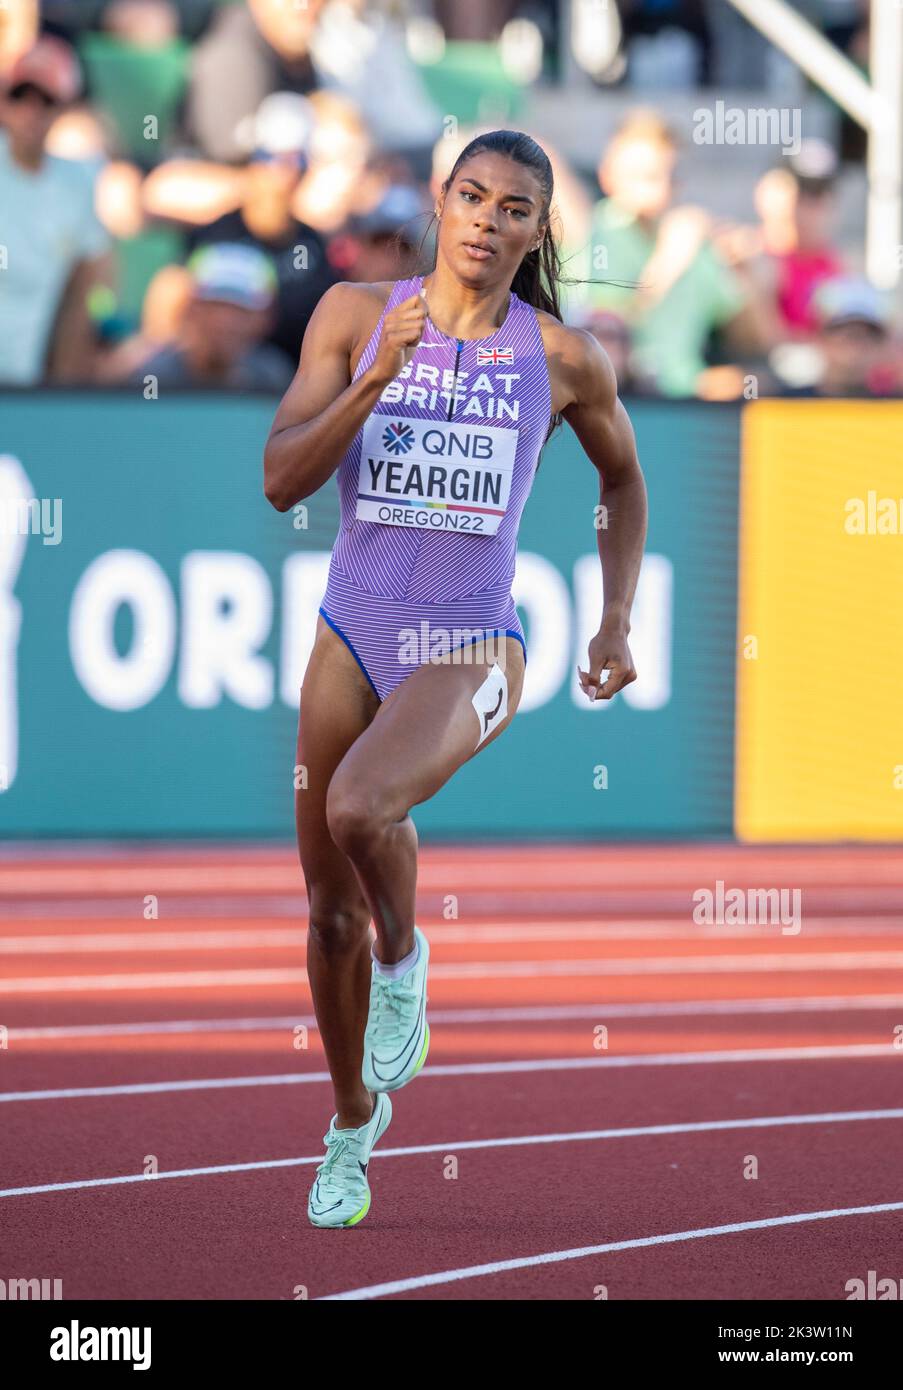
point(491, 217)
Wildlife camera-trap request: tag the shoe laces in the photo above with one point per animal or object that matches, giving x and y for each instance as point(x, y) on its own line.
point(338, 1152)
point(396, 1003)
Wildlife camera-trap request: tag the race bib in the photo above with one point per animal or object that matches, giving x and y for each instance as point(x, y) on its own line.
point(435, 475)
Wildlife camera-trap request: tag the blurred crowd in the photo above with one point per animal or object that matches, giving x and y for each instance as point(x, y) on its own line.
point(181, 181)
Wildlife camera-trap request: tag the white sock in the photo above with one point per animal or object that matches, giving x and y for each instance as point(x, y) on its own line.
point(401, 967)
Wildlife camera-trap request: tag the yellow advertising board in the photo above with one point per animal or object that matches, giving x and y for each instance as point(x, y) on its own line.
point(819, 732)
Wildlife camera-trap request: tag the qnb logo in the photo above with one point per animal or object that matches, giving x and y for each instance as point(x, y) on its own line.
point(77, 1343)
point(467, 444)
point(23, 1290)
point(398, 438)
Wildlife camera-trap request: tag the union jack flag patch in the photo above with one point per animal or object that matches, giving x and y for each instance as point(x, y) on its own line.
point(495, 357)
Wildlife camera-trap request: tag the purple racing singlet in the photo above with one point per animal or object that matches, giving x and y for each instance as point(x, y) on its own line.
point(431, 491)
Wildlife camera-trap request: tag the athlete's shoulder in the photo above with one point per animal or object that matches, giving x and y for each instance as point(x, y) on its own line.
point(357, 301)
point(353, 296)
point(348, 312)
point(577, 358)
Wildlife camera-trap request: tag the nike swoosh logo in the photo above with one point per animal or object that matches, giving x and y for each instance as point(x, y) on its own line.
point(490, 714)
point(322, 1210)
point(404, 1056)
point(387, 1061)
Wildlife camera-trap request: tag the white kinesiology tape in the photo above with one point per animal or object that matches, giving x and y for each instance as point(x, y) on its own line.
point(491, 702)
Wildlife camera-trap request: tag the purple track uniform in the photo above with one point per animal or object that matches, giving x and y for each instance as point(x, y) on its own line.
point(432, 489)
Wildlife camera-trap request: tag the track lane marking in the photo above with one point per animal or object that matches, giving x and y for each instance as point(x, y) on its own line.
point(545, 1013)
point(515, 1141)
point(851, 1051)
point(229, 938)
point(467, 970)
point(583, 1252)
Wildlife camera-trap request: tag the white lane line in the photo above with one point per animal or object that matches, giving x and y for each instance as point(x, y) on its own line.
point(545, 1013)
point(672, 965)
point(228, 938)
point(158, 979)
point(265, 912)
point(853, 1051)
point(794, 961)
point(459, 1145)
point(450, 1276)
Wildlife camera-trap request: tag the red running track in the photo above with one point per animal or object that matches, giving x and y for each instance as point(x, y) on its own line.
point(619, 1101)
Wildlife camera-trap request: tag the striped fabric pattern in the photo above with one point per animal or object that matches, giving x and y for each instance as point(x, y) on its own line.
point(384, 579)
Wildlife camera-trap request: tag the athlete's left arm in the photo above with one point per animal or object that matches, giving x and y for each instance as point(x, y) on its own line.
point(600, 422)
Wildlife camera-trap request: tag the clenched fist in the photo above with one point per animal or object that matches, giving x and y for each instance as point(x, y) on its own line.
point(401, 332)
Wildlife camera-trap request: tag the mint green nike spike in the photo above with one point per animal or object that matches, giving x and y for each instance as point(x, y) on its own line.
point(397, 1037)
point(340, 1195)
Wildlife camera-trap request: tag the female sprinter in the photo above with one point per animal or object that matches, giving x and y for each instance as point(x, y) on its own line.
point(431, 398)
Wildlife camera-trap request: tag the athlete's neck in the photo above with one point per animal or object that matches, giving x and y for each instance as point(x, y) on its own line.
point(460, 311)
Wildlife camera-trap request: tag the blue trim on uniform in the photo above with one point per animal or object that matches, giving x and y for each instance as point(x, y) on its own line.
point(338, 631)
point(509, 632)
point(493, 631)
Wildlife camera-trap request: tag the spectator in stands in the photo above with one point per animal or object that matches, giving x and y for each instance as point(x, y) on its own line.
point(855, 342)
point(221, 341)
point(73, 17)
point(141, 23)
point(843, 22)
point(382, 243)
point(166, 303)
point(359, 49)
point(196, 192)
point(658, 21)
point(613, 332)
point(282, 130)
point(342, 152)
point(248, 52)
point(266, 46)
point(18, 31)
point(797, 206)
point(740, 53)
point(474, 21)
point(657, 265)
point(56, 250)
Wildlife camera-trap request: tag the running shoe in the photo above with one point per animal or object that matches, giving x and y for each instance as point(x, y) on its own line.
point(340, 1195)
point(397, 1038)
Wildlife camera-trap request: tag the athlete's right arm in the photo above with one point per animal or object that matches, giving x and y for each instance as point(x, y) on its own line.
point(323, 409)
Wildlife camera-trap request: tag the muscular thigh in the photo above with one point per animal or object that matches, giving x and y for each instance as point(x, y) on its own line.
point(428, 727)
point(337, 706)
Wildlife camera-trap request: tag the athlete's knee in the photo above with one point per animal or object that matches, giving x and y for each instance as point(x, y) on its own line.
point(337, 927)
point(356, 816)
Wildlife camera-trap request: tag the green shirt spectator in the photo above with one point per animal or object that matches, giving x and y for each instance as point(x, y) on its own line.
point(670, 330)
point(674, 288)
